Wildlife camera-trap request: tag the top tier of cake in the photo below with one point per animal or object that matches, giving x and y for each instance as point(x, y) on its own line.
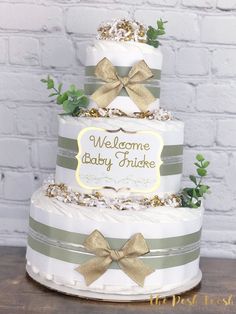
point(123, 55)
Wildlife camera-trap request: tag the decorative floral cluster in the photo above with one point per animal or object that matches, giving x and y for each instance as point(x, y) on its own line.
point(122, 30)
point(64, 194)
point(159, 114)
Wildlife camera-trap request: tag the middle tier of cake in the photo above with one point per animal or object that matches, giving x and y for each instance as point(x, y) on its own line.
point(124, 156)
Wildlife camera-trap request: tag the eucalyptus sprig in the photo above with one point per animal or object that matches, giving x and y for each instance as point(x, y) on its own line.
point(154, 33)
point(72, 100)
point(191, 197)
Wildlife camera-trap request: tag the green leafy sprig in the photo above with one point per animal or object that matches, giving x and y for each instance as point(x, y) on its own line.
point(154, 33)
point(191, 197)
point(72, 100)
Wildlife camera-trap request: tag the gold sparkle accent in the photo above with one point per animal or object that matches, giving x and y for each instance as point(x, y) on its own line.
point(122, 30)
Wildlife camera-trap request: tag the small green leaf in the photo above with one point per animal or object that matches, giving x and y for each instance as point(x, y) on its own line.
point(199, 157)
point(193, 179)
point(152, 33)
point(62, 98)
point(68, 106)
point(202, 172)
point(205, 164)
point(53, 94)
point(50, 83)
point(43, 81)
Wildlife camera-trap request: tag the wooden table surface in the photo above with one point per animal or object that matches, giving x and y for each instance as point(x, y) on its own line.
point(20, 294)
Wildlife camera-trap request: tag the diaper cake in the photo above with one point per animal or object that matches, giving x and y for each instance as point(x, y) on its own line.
point(114, 223)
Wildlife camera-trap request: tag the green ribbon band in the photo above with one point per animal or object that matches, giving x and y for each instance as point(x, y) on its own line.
point(122, 71)
point(165, 169)
point(71, 144)
point(90, 88)
point(74, 257)
point(78, 238)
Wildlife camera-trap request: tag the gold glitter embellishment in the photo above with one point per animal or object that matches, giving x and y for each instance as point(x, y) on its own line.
point(122, 30)
point(63, 193)
point(159, 114)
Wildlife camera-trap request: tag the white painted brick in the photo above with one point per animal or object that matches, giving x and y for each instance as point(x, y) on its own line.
point(47, 154)
point(57, 52)
point(177, 96)
point(219, 162)
point(180, 26)
point(216, 200)
point(30, 17)
point(3, 50)
point(226, 132)
point(192, 61)
point(168, 67)
point(199, 3)
point(224, 62)
point(231, 173)
point(33, 121)
point(22, 87)
point(168, 3)
point(24, 50)
point(85, 20)
point(14, 153)
point(216, 97)
point(200, 131)
point(226, 4)
point(18, 186)
point(81, 51)
point(219, 29)
point(7, 120)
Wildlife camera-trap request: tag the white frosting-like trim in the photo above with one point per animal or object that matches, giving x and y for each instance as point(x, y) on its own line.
point(153, 222)
point(112, 281)
point(123, 53)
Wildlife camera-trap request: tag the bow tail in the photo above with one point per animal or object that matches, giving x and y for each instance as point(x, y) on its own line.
point(135, 269)
point(94, 268)
point(140, 95)
point(105, 94)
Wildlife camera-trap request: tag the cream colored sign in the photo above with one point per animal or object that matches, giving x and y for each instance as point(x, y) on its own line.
point(119, 159)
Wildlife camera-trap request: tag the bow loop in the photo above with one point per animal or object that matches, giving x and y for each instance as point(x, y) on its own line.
point(106, 71)
point(136, 246)
point(126, 257)
point(139, 73)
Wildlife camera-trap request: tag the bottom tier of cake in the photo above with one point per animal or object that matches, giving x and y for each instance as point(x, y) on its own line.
point(56, 249)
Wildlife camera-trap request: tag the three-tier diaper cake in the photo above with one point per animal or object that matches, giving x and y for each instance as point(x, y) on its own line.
point(114, 223)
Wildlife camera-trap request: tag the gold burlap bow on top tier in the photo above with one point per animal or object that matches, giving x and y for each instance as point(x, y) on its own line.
point(126, 257)
point(139, 73)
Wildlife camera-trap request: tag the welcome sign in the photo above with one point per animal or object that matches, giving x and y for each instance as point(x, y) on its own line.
point(119, 159)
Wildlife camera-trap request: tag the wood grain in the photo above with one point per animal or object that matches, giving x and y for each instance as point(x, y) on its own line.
point(20, 294)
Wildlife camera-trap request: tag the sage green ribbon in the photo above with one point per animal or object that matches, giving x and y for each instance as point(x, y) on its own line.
point(90, 88)
point(166, 169)
point(57, 234)
point(121, 71)
point(68, 246)
point(76, 257)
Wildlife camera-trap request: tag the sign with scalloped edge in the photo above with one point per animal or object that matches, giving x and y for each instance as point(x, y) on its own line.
point(119, 160)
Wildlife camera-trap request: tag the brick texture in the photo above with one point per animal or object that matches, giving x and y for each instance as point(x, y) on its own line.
point(198, 85)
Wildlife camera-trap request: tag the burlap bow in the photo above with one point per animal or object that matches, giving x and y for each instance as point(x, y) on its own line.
point(126, 257)
point(140, 95)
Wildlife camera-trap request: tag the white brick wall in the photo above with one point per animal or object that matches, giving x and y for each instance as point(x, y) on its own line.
point(199, 85)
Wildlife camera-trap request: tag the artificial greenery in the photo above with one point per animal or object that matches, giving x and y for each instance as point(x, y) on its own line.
point(191, 197)
point(154, 33)
point(72, 100)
